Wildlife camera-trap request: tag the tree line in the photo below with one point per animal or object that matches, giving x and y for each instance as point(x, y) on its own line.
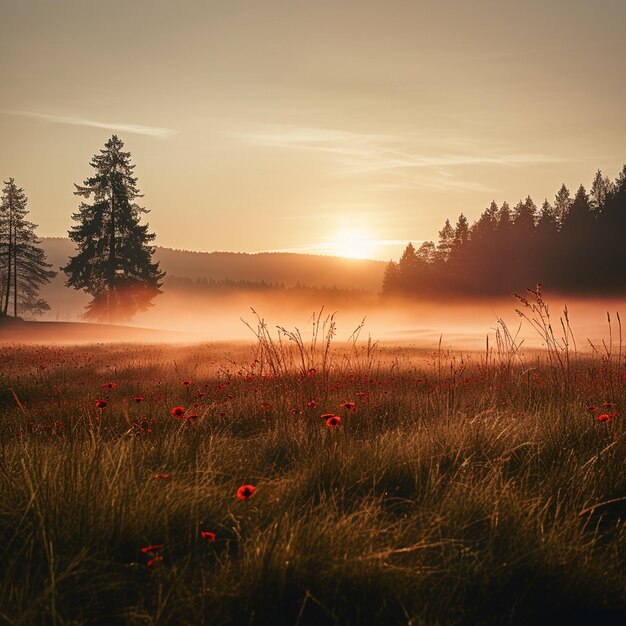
point(573, 244)
point(113, 260)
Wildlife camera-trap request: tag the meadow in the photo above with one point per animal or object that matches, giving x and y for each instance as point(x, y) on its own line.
point(213, 484)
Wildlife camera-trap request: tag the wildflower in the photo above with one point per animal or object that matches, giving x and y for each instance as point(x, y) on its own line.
point(350, 406)
point(109, 386)
point(592, 408)
point(312, 371)
point(326, 416)
point(157, 547)
point(138, 399)
point(101, 404)
point(192, 417)
point(178, 412)
point(161, 476)
point(604, 418)
point(245, 492)
point(311, 404)
point(154, 560)
point(609, 404)
point(186, 383)
point(333, 421)
point(208, 535)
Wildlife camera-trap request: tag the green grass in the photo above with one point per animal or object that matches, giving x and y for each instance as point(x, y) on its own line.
point(463, 490)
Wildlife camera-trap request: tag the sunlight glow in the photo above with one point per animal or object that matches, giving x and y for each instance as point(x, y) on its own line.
point(353, 244)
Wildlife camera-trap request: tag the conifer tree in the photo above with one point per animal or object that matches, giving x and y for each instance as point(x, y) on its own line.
point(446, 241)
point(23, 266)
point(114, 257)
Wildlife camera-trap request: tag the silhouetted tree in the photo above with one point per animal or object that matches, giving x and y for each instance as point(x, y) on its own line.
point(562, 203)
point(391, 278)
point(24, 270)
point(114, 259)
point(446, 241)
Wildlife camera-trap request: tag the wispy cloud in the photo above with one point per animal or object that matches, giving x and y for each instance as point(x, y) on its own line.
point(399, 158)
point(136, 129)
point(330, 247)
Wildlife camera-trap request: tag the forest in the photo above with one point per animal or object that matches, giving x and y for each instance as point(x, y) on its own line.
point(574, 245)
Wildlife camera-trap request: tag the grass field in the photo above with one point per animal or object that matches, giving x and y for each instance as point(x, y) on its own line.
point(456, 489)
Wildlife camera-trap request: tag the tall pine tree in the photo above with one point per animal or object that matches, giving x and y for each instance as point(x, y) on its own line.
point(23, 266)
point(114, 257)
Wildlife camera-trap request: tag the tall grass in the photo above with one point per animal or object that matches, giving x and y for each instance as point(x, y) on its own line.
point(464, 489)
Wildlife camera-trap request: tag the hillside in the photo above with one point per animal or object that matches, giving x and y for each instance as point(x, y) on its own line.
point(283, 268)
point(275, 267)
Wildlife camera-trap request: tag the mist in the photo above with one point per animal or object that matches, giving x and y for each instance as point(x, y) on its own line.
point(184, 316)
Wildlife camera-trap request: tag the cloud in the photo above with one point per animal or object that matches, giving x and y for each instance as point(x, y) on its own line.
point(330, 247)
point(400, 158)
point(136, 129)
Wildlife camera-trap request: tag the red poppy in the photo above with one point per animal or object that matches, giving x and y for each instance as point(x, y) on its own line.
point(154, 560)
point(609, 404)
point(192, 417)
point(101, 404)
point(604, 418)
point(333, 421)
point(109, 386)
point(592, 408)
point(350, 406)
point(312, 371)
point(208, 535)
point(186, 383)
point(157, 547)
point(162, 476)
point(138, 399)
point(178, 411)
point(327, 416)
point(245, 492)
point(312, 404)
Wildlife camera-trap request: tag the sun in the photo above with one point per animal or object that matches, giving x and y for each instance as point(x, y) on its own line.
point(353, 244)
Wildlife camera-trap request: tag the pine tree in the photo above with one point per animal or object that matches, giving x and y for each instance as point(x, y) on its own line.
point(391, 278)
point(562, 203)
point(114, 258)
point(23, 270)
point(446, 241)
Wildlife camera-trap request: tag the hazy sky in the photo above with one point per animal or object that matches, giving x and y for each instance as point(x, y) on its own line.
point(269, 125)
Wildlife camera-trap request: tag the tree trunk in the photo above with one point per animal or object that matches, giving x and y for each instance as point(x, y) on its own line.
point(14, 279)
point(9, 250)
point(111, 268)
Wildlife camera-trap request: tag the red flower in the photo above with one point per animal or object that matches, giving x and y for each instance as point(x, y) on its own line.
point(350, 406)
point(592, 408)
point(208, 535)
point(186, 383)
point(609, 404)
point(312, 404)
point(333, 421)
point(604, 418)
point(138, 399)
point(101, 404)
point(162, 476)
point(178, 411)
point(154, 560)
point(245, 492)
point(326, 416)
point(312, 371)
point(192, 417)
point(109, 386)
point(157, 547)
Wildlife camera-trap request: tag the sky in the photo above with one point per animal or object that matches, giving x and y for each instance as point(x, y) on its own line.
point(346, 127)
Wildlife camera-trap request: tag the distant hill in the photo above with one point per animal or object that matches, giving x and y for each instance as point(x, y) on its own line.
point(282, 268)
